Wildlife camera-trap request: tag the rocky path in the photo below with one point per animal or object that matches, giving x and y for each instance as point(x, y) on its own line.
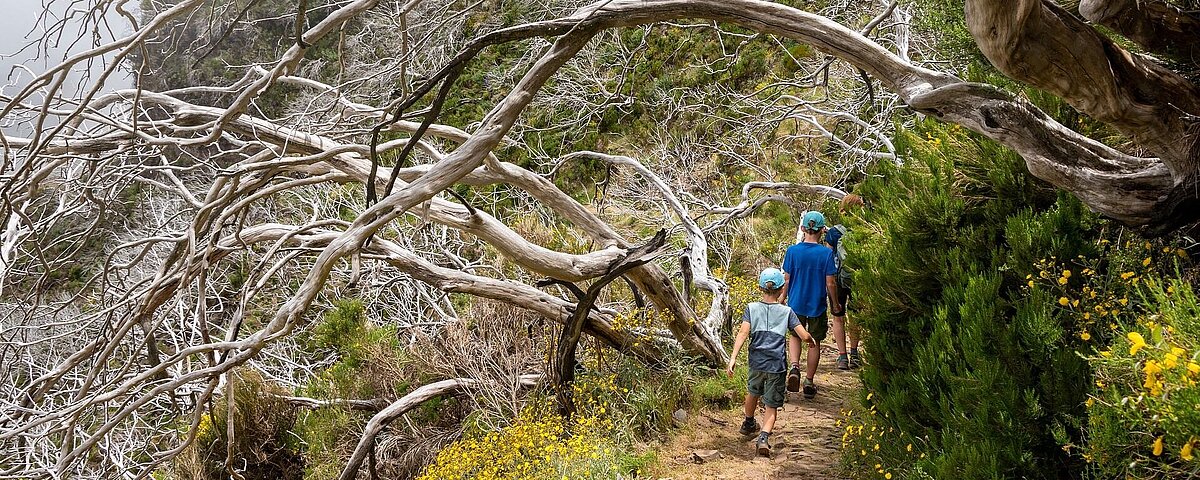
point(805, 444)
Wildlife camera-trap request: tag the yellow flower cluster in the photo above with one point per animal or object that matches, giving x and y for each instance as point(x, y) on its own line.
point(539, 444)
point(861, 432)
point(1094, 299)
point(1078, 294)
point(534, 447)
point(1166, 364)
point(1152, 371)
point(639, 322)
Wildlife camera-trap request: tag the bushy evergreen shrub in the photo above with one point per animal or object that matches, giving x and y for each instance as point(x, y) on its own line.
point(963, 359)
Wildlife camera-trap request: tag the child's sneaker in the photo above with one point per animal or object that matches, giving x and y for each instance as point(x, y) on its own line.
point(763, 447)
point(810, 390)
point(749, 427)
point(843, 362)
point(855, 359)
point(793, 379)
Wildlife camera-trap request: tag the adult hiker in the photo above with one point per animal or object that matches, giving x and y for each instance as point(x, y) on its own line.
point(766, 323)
point(841, 328)
point(811, 276)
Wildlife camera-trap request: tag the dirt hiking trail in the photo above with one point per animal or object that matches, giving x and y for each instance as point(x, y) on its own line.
point(804, 445)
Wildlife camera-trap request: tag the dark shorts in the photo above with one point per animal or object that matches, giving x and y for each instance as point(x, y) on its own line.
point(843, 298)
point(817, 326)
point(768, 386)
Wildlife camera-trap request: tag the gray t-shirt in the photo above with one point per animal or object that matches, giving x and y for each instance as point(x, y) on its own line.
point(769, 324)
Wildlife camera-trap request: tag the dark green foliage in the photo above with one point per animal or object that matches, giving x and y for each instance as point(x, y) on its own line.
point(959, 352)
point(367, 355)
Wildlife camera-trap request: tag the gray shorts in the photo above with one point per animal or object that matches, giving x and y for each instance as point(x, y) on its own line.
point(768, 386)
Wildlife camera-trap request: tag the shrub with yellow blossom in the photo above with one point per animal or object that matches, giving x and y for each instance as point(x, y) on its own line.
point(1144, 418)
point(872, 449)
point(535, 446)
point(539, 444)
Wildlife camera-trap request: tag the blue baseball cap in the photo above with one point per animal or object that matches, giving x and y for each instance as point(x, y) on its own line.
point(812, 221)
point(770, 279)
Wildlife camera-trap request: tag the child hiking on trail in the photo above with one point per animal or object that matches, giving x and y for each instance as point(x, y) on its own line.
point(811, 276)
point(766, 324)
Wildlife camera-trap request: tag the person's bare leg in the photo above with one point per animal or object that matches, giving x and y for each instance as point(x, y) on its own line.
point(852, 334)
point(793, 349)
point(839, 334)
point(814, 357)
point(769, 419)
point(750, 405)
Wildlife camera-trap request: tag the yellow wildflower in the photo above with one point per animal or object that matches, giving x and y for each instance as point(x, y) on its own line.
point(1126, 275)
point(1063, 301)
point(1062, 280)
point(1170, 360)
point(1186, 452)
point(1146, 262)
point(1066, 274)
point(1158, 446)
point(1136, 342)
point(1193, 369)
point(1085, 336)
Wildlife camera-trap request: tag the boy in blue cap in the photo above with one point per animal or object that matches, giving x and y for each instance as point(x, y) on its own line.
point(810, 272)
point(766, 324)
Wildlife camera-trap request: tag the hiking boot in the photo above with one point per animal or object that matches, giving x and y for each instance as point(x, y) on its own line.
point(748, 427)
point(793, 379)
point(843, 362)
point(763, 447)
point(810, 390)
point(855, 360)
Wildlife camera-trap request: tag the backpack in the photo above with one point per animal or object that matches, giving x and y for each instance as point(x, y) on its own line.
point(834, 238)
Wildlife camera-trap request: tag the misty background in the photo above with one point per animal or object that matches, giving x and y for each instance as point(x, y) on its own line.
point(24, 55)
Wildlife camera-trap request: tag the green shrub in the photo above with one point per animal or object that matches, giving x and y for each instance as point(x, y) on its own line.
point(1143, 417)
point(960, 354)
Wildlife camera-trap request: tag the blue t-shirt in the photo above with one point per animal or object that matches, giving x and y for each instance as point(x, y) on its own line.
point(806, 265)
point(769, 324)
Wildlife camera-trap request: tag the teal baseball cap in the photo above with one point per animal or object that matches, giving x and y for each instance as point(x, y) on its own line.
point(812, 221)
point(770, 279)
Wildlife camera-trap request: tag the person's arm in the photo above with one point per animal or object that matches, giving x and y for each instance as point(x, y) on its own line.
point(742, 335)
point(786, 287)
point(832, 286)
